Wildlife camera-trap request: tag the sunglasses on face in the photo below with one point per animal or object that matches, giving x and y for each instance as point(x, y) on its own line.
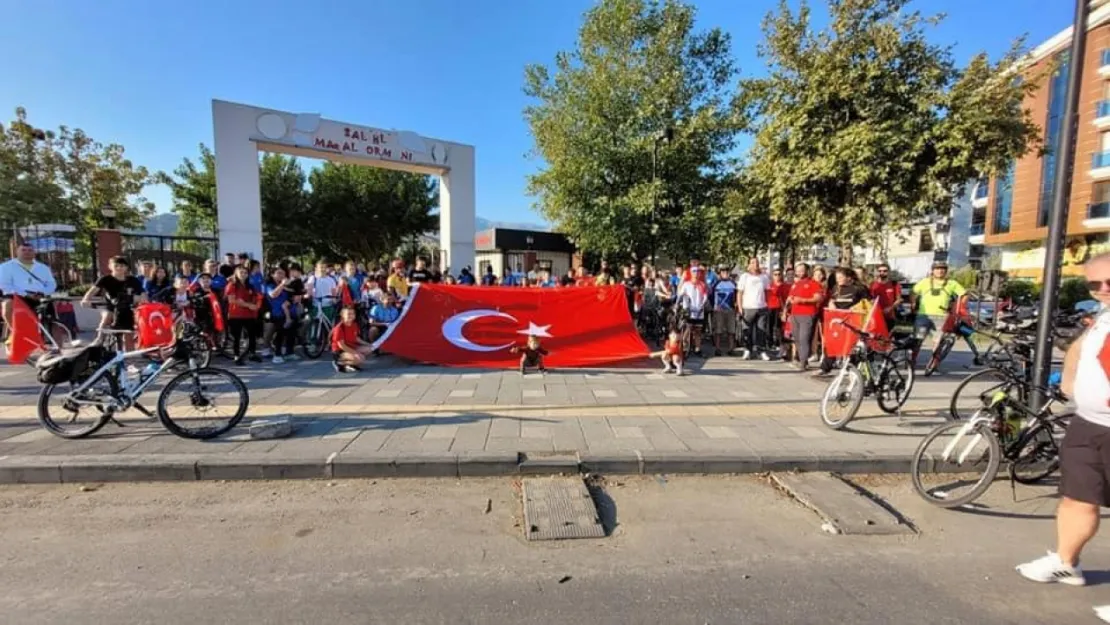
point(1094, 286)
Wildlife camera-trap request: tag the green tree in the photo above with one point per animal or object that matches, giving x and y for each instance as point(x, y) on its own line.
point(289, 228)
point(367, 212)
point(638, 68)
point(29, 187)
point(97, 175)
point(193, 186)
point(866, 125)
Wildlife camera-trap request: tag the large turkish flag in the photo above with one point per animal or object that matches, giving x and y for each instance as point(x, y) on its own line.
point(468, 326)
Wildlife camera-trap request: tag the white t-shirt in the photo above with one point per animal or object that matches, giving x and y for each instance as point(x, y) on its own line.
point(17, 279)
point(1092, 380)
point(693, 298)
point(753, 290)
point(322, 286)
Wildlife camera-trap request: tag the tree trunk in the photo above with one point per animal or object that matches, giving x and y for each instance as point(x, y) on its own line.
point(845, 259)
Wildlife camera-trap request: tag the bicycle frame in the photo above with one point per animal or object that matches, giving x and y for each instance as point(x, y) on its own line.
point(129, 391)
point(985, 415)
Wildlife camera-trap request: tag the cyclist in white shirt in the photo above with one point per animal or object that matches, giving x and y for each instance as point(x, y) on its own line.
point(26, 277)
point(1085, 451)
point(752, 286)
point(322, 288)
point(692, 297)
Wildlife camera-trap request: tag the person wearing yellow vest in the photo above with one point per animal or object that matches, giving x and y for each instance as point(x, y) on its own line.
point(931, 300)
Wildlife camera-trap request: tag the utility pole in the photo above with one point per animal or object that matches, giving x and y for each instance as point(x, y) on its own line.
point(1058, 218)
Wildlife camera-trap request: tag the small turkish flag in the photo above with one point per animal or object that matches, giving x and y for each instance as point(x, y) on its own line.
point(468, 327)
point(154, 325)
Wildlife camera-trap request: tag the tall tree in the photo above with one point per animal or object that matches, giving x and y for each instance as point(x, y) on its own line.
point(193, 186)
point(638, 68)
point(866, 125)
point(96, 175)
point(288, 227)
point(30, 189)
point(367, 212)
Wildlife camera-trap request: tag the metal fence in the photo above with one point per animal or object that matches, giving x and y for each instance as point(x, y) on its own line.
point(58, 246)
point(169, 251)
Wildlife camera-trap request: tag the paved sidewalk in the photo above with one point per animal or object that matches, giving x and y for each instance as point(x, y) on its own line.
point(729, 416)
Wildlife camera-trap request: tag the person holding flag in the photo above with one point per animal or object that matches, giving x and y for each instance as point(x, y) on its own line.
point(28, 279)
point(847, 295)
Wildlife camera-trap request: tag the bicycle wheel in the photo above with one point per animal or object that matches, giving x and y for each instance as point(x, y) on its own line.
point(315, 339)
point(896, 379)
point(1038, 458)
point(842, 398)
point(977, 390)
point(70, 419)
point(966, 448)
point(940, 354)
point(218, 399)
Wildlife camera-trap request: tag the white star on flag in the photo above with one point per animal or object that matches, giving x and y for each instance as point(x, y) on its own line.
point(535, 330)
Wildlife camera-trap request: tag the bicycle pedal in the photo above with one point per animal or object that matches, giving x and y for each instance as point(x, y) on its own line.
point(143, 409)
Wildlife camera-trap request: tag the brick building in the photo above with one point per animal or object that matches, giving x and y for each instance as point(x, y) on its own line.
point(1011, 211)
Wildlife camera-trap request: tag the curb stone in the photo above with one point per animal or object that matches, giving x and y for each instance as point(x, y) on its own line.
point(53, 469)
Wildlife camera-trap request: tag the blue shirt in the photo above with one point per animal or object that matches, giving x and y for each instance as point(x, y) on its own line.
point(219, 283)
point(724, 295)
point(256, 280)
point(384, 314)
point(489, 279)
point(466, 279)
point(276, 302)
point(711, 279)
point(509, 280)
point(354, 285)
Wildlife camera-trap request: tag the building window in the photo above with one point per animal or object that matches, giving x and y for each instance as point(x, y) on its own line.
point(1057, 90)
point(925, 241)
point(1003, 201)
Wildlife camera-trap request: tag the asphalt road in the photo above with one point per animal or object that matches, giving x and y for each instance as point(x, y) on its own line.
point(685, 550)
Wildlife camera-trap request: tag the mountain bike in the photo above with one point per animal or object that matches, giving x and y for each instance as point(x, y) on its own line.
point(1009, 367)
point(96, 377)
point(318, 329)
point(865, 372)
point(1003, 429)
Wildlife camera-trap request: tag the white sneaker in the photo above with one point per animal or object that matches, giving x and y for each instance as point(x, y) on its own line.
point(1103, 612)
point(765, 356)
point(814, 359)
point(745, 354)
point(1049, 569)
point(667, 369)
point(266, 353)
point(278, 360)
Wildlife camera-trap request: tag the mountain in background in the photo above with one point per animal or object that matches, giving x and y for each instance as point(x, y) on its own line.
point(166, 224)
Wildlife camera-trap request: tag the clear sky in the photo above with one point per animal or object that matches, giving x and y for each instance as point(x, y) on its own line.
point(142, 73)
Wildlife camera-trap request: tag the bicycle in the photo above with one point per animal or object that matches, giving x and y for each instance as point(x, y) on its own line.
point(54, 333)
point(1027, 440)
point(889, 376)
point(1011, 366)
point(318, 329)
point(97, 377)
point(953, 328)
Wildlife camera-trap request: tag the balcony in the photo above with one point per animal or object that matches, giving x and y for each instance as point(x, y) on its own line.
point(1100, 166)
point(1104, 64)
point(1102, 114)
point(977, 234)
point(1098, 215)
point(980, 197)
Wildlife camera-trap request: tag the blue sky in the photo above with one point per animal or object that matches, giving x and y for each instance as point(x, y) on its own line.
point(143, 73)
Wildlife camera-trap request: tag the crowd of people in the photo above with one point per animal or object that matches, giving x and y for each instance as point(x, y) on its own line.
point(752, 312)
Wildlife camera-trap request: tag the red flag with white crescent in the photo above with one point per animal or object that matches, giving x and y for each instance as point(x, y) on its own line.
point(26, 338)
point(154, 325)
point(470, 327)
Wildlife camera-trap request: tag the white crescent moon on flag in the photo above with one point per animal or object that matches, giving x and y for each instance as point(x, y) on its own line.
point(154, 315)
point(453, 329)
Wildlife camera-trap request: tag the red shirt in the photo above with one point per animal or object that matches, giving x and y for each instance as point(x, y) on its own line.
point(346, 333)
point(888, 293)
point(237, 293)
point(776, 295)
point(807, 288)
point(586, 281)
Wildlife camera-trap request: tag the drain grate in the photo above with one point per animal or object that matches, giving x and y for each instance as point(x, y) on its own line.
point(557, 508)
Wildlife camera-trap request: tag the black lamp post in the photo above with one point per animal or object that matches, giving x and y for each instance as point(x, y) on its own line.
point(109, 214)
point(663, 136)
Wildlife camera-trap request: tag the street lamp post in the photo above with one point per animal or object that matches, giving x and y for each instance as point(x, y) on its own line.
point(663, 136)
point(1058, 218)
point(109, 214)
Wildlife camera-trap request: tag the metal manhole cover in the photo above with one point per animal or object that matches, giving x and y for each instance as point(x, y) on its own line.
point(559, 507)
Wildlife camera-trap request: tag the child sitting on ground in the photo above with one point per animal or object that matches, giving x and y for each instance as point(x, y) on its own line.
point(349, 349)
point(671, 354)
point(531, 355)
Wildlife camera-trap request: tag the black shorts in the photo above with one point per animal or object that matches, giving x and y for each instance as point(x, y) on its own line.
point(1085, 462)
point(696, 323)
point(123, 319)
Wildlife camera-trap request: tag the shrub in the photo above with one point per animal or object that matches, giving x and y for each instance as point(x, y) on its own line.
point(1073, 291)
point(1020, 291)
point(78, 290)
point(966, 276)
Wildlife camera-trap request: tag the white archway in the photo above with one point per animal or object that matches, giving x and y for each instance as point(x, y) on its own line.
point(240, 131)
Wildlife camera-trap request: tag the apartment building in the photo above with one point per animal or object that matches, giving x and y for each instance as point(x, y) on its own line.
point(1011, 211)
